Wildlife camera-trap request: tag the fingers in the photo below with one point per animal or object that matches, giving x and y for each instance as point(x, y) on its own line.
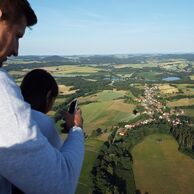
point(73, 119)
point(78, 111)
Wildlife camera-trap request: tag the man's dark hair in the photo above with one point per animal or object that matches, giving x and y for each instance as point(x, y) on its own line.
point(35, 87)
point(14, 10)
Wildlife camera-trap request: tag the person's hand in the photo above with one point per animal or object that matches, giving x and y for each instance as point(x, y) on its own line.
point(72, 120)
point(78, 119)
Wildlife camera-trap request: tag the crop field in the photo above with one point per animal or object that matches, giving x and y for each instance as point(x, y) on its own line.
point(192, 77)
point(159, 167)
point(106, 110)
point(140, 86)
point(187, 89)
point(106, 114)
point(189, 112)
point(105, 95)
point(181, 102)
point(167, 89)
point(174, 65)
point(64, 90)
point(71, 69)
point(139, 65)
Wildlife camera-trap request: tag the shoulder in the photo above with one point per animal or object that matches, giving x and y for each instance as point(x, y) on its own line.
point(41, 118)
point(9, 88)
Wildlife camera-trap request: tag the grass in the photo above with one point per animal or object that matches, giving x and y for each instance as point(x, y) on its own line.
point(160, 168)
point(181, 102)
point(189, 112)
point(106, 114)
point(92, 146)
point(106, 110)
point(150, 75)
point(107, 95)
point(188, 89)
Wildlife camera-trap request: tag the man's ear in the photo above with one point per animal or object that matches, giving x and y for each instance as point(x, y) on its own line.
point(1, 13)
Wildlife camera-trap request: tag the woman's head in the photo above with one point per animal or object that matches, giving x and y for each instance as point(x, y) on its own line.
point(39, 89)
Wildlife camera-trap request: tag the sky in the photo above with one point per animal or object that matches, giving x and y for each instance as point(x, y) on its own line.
point(84, 27)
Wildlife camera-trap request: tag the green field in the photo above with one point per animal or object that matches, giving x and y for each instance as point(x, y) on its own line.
point(159, 167)
point(187, 89)
point(107, 111)
point(149, 75)
point(92, 146)
point(189, 112)
point(139, 65)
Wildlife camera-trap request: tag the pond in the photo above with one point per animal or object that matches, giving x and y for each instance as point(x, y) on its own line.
point(171, 79)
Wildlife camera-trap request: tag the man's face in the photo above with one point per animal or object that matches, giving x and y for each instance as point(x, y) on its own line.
point(9, 38)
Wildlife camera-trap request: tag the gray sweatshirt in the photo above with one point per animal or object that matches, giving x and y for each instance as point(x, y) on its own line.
point(27, 159)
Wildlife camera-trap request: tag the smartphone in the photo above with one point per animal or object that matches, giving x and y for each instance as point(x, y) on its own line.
point(73, 106)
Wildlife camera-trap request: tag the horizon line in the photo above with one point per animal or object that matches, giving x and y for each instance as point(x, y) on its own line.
point(149, 53)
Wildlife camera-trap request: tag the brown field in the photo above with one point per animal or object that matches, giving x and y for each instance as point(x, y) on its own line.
point(181, 102)
point(192, 77)
point(64, 90)
point(138, 65)
point(51, 113)
point(167, 89)
point(68, 69)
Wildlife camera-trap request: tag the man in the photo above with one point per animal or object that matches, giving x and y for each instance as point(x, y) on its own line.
point(26, 158)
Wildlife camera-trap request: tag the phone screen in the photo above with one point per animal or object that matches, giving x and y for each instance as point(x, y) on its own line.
point(73, 106)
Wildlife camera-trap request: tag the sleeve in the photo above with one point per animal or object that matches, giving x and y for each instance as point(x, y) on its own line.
point(26, 157)
point(47, 128)
point(55, 138)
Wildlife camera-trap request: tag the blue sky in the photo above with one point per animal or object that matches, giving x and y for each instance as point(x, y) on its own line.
point(68, 27)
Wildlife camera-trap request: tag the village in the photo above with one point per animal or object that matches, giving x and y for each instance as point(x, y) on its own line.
point(154, 108)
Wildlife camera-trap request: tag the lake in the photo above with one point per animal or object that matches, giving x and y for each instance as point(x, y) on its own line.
point(171, 79)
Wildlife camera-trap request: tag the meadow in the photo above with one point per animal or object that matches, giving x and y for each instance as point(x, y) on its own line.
point(92, 146)
point(106, 110)
point(160, 168)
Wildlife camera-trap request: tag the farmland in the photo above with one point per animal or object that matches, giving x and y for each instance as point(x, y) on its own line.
point(109, 92)
point(160, 168)
point(106, 110)
point(181, 102)
point(167, 89)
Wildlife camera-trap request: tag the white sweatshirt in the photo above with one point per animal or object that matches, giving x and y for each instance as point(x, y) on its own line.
point(27, 159)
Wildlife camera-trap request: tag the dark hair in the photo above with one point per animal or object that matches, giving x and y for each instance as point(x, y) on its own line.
point(35, 87)
point(14, 10)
